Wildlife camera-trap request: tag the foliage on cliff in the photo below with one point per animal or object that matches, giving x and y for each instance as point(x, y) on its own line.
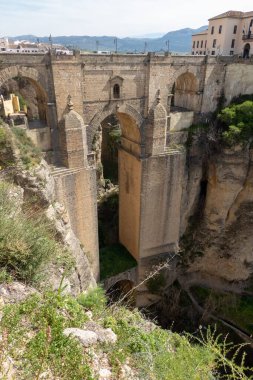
point(238, 121)
point(27, 241)
point(14, 142)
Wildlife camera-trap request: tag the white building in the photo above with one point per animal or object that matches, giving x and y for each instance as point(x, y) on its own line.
point(228, 33)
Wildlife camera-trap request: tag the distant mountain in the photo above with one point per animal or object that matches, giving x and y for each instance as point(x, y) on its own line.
point(179, 41)
point(149, 35)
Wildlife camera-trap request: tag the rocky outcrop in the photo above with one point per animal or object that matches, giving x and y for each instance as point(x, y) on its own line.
point(222, 241)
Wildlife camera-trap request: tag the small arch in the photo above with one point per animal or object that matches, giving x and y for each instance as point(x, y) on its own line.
point(116, 91)
point(246, 51)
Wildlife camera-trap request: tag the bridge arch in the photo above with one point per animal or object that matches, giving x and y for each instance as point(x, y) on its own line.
point(35, 79)
point(127, 116)
point(22, 71)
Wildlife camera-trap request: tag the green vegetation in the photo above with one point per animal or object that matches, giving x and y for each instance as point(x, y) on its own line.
point(27, 241)
point(34, 339)
point(6, 153)
point(238, 120)
point(94, 300)
point(22, 102)
point(233, 307)
point(156, 283)
point(195, 130)
point(30, 155)
point(115, 259)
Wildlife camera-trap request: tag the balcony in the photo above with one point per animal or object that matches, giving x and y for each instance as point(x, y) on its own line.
point(248, 36)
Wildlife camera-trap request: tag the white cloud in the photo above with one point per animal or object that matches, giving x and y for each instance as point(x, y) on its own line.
point(110, 17)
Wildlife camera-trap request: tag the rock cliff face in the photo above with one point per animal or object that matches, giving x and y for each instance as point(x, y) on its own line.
point(218, 195)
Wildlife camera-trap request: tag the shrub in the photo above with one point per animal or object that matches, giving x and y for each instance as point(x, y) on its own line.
point(238, 121)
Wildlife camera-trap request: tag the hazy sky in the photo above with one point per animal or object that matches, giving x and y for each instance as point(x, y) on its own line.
point(109, 17)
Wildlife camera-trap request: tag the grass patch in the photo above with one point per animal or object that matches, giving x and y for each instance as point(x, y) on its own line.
point(30, 155)
point(114, 260)
point(35, 340)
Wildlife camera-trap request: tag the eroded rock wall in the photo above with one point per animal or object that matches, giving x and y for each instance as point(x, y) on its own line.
point(221, 241)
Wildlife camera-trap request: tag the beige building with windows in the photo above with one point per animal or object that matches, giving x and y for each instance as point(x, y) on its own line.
point(230, 33)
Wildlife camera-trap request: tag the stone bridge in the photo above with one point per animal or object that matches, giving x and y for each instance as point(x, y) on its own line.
point(155, 99)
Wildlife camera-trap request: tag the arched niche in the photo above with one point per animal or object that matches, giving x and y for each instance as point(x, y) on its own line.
point(186, 92)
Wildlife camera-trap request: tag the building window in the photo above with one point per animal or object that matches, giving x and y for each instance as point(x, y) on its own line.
point(212, 30)
point(193, 53)
point(220, 29)
point(193, 46)
point(200, 52)
point(201, 44)
point(116, 91)
point(214, 43)
point(231, 52)
point(233, 43)
point(197, 44)
point(204, 53)
point(251, 22)
point(235, 29)
point(205, 43)
point(213, 52)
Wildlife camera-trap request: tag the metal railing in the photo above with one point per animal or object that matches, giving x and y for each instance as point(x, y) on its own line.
point(248, 36)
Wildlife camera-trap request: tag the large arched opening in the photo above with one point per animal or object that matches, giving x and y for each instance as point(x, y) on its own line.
point(31, 97)
point(23, 103)
point(184, 92)
point(118, 172)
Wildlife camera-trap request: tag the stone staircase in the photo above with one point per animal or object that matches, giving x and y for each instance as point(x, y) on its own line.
point(59, 171)
point(174, 150)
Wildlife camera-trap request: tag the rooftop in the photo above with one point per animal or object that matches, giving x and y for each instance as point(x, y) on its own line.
point(204, 32)
point(231, 14)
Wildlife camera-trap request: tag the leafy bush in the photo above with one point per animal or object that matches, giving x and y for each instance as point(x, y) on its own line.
point(238, 119)
point(27, 243)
